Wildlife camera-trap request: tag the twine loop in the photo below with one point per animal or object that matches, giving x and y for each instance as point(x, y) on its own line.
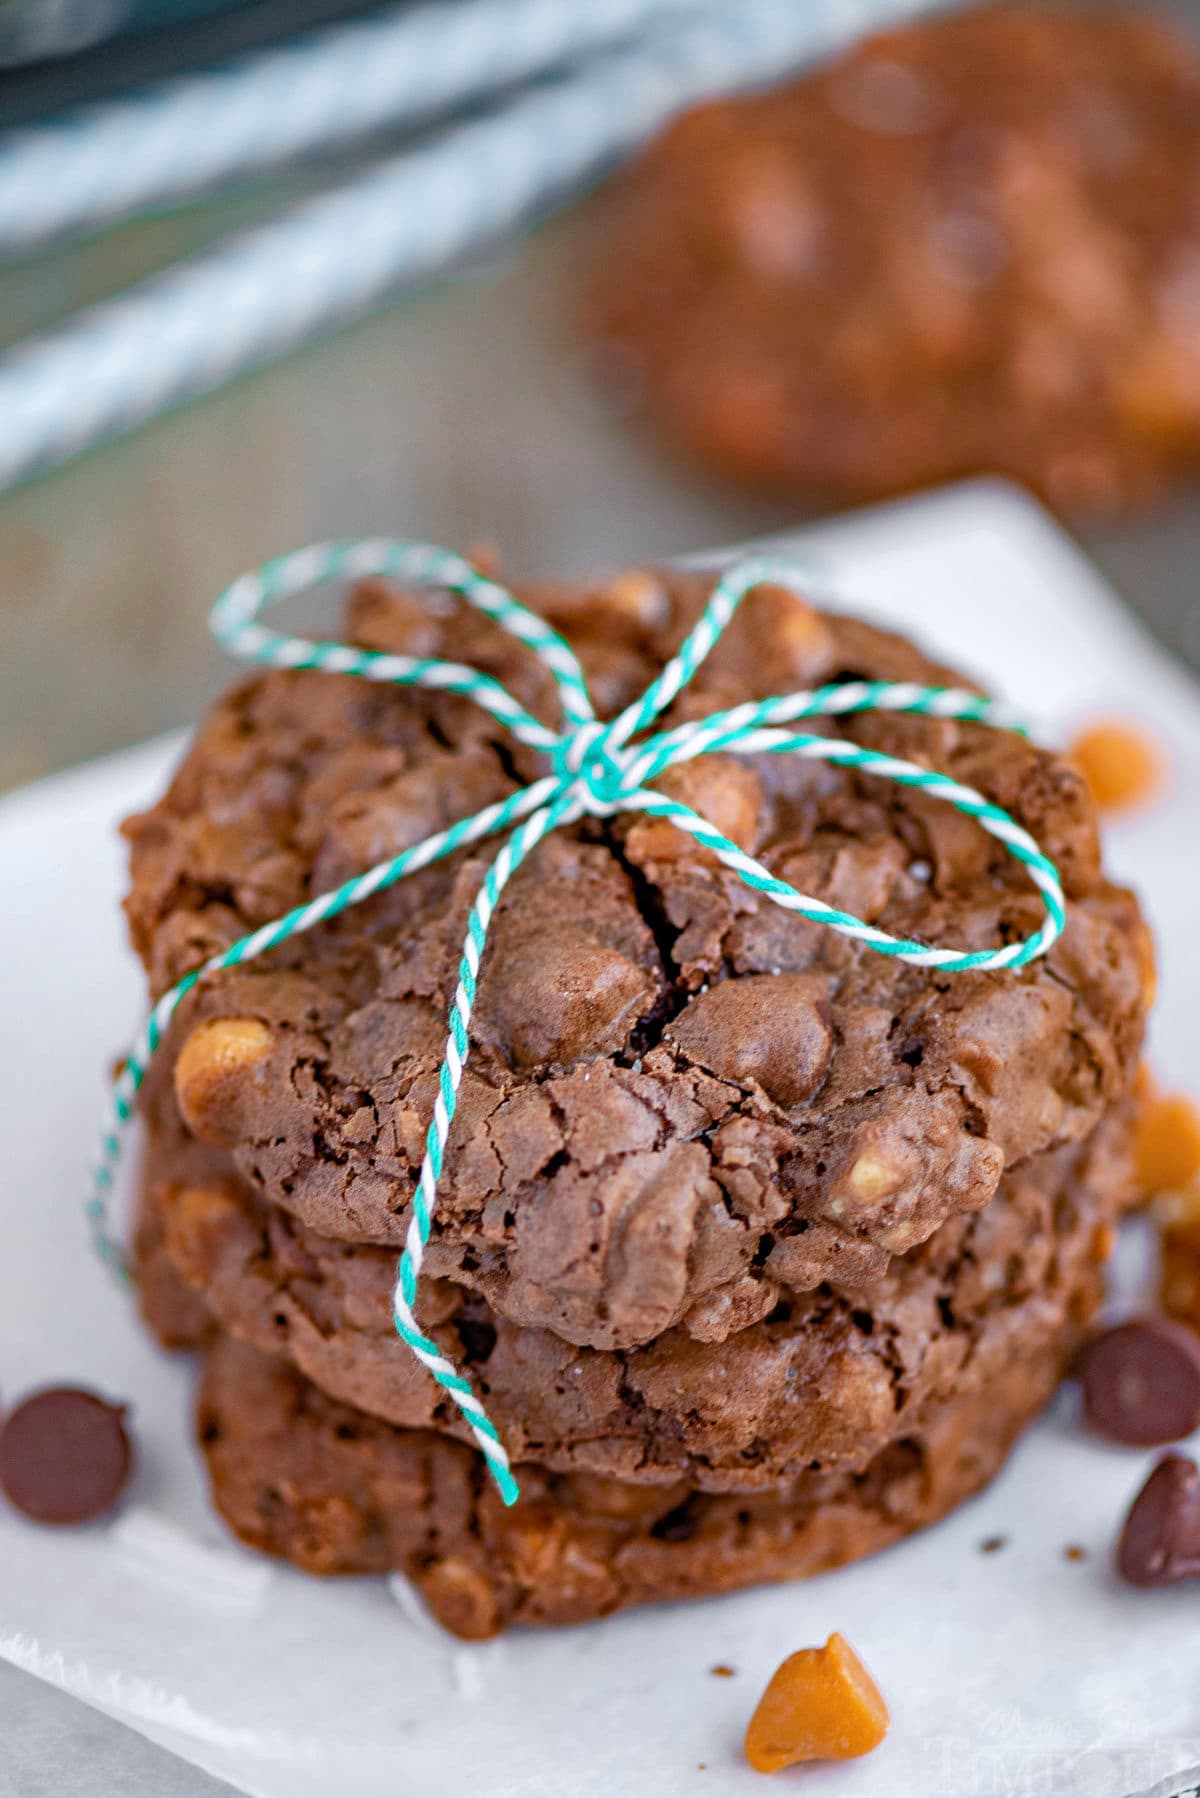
point(596, 768)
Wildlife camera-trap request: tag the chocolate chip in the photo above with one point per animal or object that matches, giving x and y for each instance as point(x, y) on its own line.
point(64, 1455)
point(1141, 1382)
point(773, 1028)
point(1160, 1542)
point(561, 996)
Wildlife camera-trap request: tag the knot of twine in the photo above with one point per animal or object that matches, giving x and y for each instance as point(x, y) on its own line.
point(597, 768)
point(594, 766)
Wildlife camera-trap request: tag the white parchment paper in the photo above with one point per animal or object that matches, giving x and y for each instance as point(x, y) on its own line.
point(1015, 1674)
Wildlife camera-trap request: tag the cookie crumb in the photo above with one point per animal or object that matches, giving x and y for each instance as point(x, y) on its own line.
point(991, 1545)
point(1074, 1551)
point(722, 1671)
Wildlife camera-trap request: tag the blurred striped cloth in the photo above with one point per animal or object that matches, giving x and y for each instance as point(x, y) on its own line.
point(581, 84)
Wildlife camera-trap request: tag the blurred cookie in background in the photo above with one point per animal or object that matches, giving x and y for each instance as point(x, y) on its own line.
point(970, 246)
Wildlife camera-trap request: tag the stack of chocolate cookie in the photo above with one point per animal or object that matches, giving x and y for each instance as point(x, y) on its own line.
point(760, 1248)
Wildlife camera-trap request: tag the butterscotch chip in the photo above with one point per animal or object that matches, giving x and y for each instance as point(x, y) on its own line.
point(197, 1222)
point(211, 1074)
point(1145, 1083)
point(1104, 1241)
point(821, 1704)
point(1167, 1143)
point(462, 1599)
point(1179, 1287)
point(1120, 762)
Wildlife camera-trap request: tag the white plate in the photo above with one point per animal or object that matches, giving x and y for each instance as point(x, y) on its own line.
point(1016, 1673)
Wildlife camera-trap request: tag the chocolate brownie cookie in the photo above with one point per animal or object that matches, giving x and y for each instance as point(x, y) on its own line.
point(335, 1491)
point(681, 1103)
point(830, 1376)
point(971, 245)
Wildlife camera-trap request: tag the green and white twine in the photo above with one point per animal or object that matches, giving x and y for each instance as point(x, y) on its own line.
point(596, 768)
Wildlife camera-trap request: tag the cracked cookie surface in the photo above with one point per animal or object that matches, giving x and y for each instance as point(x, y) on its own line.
point(829, 1378)
point(681, 1104)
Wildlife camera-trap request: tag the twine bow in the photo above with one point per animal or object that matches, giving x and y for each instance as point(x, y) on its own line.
point(598, 768)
